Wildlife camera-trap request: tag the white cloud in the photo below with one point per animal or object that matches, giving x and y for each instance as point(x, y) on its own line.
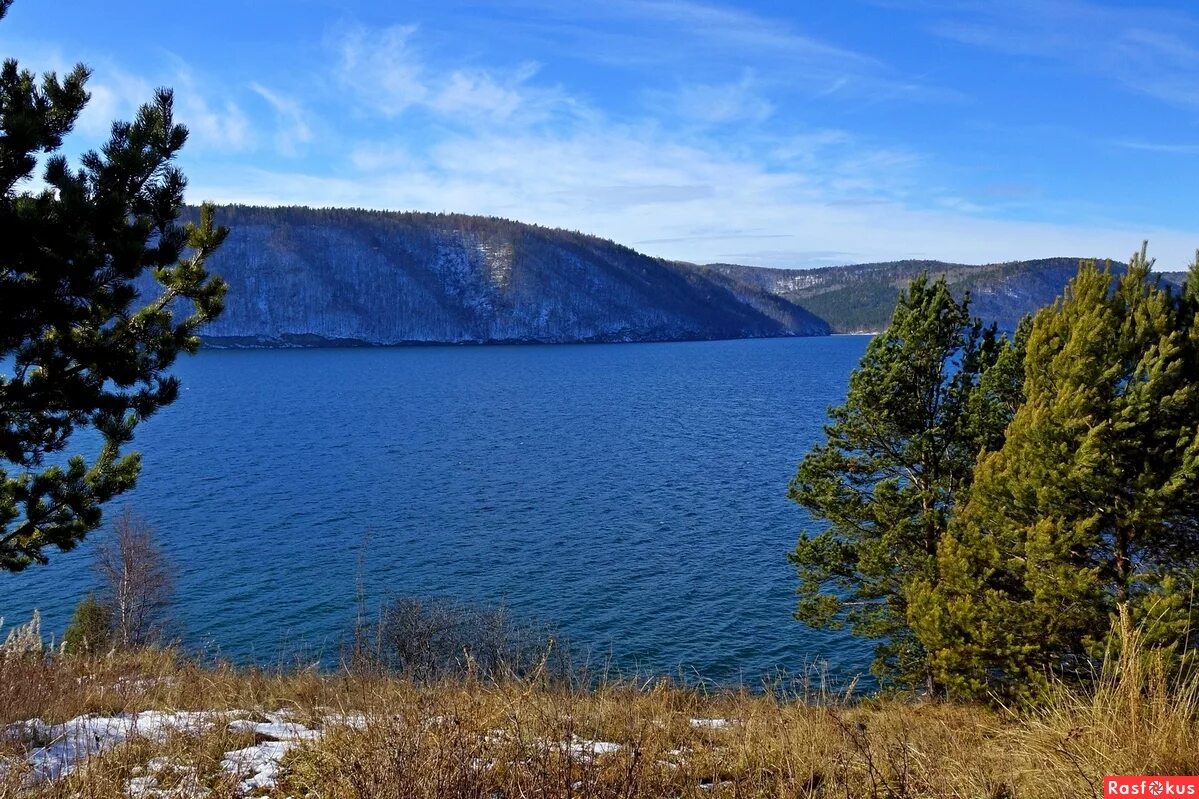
point(380, 69)
point(1160, 147)
point(635, 185)
point(225, 128)
point(731, 27)
point(717, 104)
point(1147, 50)
point(704, 39)
point(711, 171)
point(389, 76)
point(478, 92)
point(722, 30)
point(292, 128)
point(116, 95)
point(382, 155)
point(726, 189)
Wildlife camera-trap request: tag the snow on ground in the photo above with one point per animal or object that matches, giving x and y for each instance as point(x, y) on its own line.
point(61, 748)
point(259, 764)
point(276, 729)
point(587, 750)
point(712, 724)
point(148, 783)
point(65, 746)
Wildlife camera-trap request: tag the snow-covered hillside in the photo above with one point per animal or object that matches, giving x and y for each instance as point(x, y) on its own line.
point(300, 276)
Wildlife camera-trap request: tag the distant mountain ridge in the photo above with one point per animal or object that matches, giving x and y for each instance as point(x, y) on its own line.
point(308, 277)
point(860, 298)
point(320, 277)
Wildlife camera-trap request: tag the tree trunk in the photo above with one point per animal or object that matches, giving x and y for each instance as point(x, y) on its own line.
point(1123, 563)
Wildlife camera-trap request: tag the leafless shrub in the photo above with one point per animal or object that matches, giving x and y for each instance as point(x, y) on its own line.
point(429, 639)
point(462, 739)
point(138, 580)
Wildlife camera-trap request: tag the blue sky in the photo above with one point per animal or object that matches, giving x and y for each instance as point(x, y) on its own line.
point(773, 133)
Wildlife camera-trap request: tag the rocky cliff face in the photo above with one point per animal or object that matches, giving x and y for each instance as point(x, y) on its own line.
point(300, 276)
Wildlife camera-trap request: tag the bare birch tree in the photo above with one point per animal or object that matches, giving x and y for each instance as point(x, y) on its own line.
point(138, 580)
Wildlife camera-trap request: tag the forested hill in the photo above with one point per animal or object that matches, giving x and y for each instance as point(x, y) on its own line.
point(300, 276)
point(312, 277)
point(861, 298)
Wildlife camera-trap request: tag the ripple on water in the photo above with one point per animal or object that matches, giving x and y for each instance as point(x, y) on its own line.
point(634, 495)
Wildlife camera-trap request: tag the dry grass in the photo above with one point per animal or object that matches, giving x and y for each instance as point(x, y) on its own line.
point(526, 738)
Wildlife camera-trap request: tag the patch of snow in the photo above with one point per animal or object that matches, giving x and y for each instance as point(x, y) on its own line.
point(61, 748)
point(275, 730)
point(149, 786)
point(67, 745)
point(355, 721)
point(142, 786)
point(258, 765)
point(715, 786)
point(712, 724)
point(142, 683)
point(585, 749)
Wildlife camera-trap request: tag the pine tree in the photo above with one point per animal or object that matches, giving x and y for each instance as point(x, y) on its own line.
point(930, 392)
point(90, 631)
point(1090, 502)
point(1190, 290)
point(79, 348)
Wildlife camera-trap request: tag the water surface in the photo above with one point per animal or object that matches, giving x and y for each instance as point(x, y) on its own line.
point(633, 494)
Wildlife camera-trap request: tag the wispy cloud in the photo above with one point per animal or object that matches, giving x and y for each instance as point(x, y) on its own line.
point(117, 93)
point(706, 39)
point(380, 68)
point(691, 129)
point(741, 197)
point(740, 101)
point(292, 129)
point(479, 92)
point(707, 235)
point(700, 172)
point(738, 31)
point(1160, 147)
point(1147, 50)
point(809, 258)
point(221, 126)
point(689, 202)
point(389, 75)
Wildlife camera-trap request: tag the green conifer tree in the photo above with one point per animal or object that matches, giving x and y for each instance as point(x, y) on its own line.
point(1089, 503)
point(90, 631)
point(1190, 290)
point(930, 392)
point(78, 347)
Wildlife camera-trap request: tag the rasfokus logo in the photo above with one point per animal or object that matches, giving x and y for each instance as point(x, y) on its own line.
point(1142, 785)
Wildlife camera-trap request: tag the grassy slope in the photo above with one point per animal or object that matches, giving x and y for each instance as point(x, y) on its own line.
point(465, 739)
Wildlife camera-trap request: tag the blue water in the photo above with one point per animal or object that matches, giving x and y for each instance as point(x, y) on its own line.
point(632, 494)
